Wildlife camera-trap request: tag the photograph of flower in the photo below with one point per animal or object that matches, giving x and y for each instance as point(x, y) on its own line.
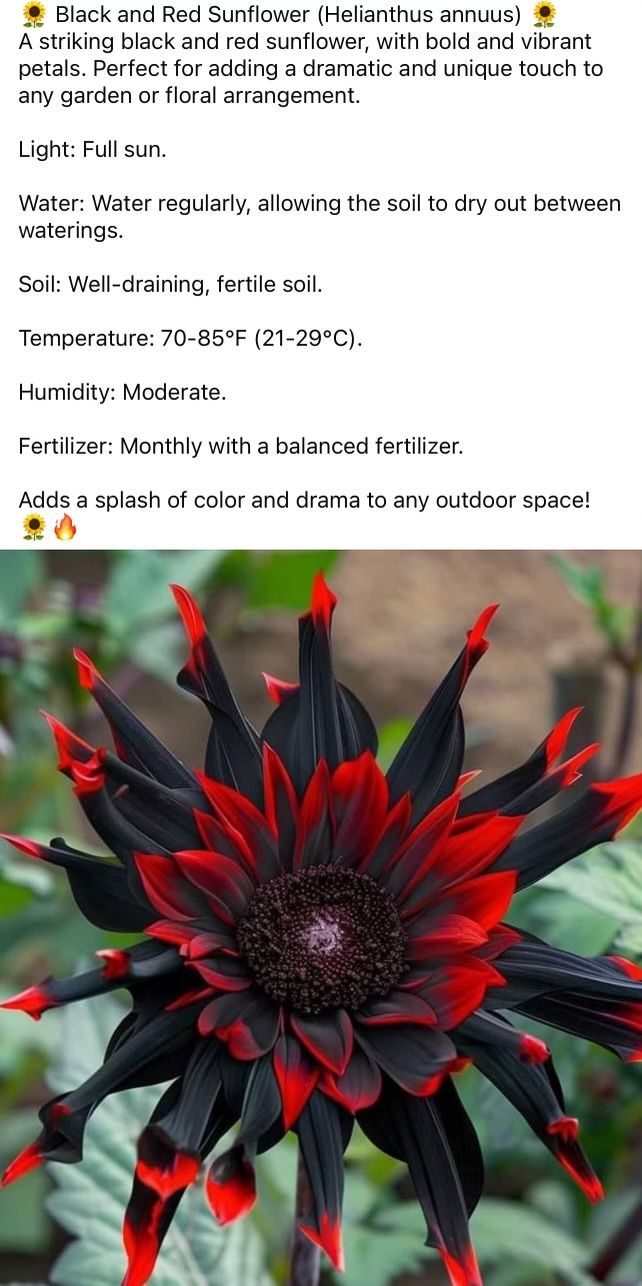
point(360, 963)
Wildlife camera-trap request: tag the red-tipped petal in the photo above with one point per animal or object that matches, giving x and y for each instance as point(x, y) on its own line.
point(278, 689)
point(358, 1088)
point(587, 1180)
point(87, 672)
point(477, 644)
point(534, 1050)
point(191, 614)
point(231, 1186)
point(70, 747)
point(34, 1001)
point(296, 1075)
point(27, 846)
point(323, 602)
point(142, 1245)
point(29, 1159)
point(166, 888)
point(558, 737)
point(567, 1127)
point(464, 1271)
point(632, 971)
point(162, 1168)
point(623, 800)
point(328, 1237)
point(89, 777)
point(116, 963)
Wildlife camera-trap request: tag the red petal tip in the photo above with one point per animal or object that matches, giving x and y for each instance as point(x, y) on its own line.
point(462, 1272)
point(191, 614)
point(328, 1238)
point(181, 1170)
point(34, 1002)
point(116, 963)
point(27, 846)
point(567, 1127)
point(231, 1187)
point(534, 1050)
point(323, 602)
point(477, 644)
point(558, 737)
point(624, 799)
point(632, 971)
point(278, 689)
point(141, 1247)
point(29, 1159)
point(89, 777)
point(68, 745)
point(87, 672)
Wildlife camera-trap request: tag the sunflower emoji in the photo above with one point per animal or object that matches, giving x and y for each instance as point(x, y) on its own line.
point(544, 15)
point(34, 525)
point(34, 13)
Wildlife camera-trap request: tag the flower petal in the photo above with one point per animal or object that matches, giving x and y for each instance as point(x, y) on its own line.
point(297, 1076)
point(328, 1037)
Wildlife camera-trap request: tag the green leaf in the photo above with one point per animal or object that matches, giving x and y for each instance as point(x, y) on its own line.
point(24, 1226)
point(391, 736)
point(90, 1198)
point(610, 880)
point(282, 578)
point(506, 1230)
point(379, 1243)
point(613, 620)
point(138, 591)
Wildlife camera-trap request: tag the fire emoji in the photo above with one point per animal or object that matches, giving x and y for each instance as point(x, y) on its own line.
point(65, 529)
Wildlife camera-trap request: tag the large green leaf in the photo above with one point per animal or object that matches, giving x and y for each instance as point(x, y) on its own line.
point(90, 1198)
point(137, 592)
point(506, 1230)
point(609, 879)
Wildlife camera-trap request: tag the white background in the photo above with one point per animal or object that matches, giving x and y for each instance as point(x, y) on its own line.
point(517, 334)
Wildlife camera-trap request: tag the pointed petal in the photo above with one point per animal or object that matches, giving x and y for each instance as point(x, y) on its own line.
point(231, 1186)
point(430, 759)
point(328, 1037)
point(297, 1076)
point(359, 1086)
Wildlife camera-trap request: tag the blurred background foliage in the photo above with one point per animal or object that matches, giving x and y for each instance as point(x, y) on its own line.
point(532, 1229)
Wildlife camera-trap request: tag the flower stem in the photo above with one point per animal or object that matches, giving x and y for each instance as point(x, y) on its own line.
point(623, 1240)
point(305, 1258)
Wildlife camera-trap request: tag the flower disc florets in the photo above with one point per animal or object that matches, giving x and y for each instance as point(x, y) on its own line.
point(323, 937)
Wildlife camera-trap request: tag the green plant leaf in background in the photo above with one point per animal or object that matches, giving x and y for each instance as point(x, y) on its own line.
point(90, 1199)
point(614, 621)
point(276, 579)
point(137, 590)
point(20, 574)
point(610, 880)
point(509, 1231)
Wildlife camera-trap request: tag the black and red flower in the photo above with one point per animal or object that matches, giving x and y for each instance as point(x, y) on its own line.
point(324, 942)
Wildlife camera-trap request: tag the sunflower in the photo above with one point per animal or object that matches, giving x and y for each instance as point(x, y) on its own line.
point(544, 14)
point(34, 13)
point(324, 943)
point(34, 525)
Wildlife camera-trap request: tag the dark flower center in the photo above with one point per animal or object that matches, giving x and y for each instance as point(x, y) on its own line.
point(544, 11)
point(34, 524)
point(34, 11)
point(323, 937)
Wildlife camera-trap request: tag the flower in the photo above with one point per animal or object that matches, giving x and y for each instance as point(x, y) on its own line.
point(545, 14)
point(34, 14)
point(34, 525)
point(323, 942)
